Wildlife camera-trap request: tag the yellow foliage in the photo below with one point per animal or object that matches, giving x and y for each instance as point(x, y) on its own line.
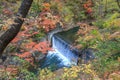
point(71, 72)
point(116, 22)
point(46, 74)
point(112, 22)
point(74, 72)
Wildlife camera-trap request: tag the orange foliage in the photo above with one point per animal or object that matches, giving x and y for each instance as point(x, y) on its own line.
point(21, 34)
point(4, 28)
point(16, 39)
point(84, 28)
point(46, 7)
point(43, 47)
point(47, 21)
point(87, 6)
point(27, 56)
point(89, 10)
point(7, 12)
point(24, 55)
point(30, 45)
point(25, 33)
point(48, 25)
point(46, 4)
point(12, 70)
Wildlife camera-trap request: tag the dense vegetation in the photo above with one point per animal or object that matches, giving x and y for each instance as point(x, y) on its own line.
point(99, 22)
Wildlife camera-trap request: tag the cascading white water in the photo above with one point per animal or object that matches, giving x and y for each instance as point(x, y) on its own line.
point(64, 48)
point(62, 56)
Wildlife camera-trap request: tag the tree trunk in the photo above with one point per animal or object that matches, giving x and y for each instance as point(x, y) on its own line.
point(118, 3)
point(105, 6)
point(100, 10)
point(10, 34)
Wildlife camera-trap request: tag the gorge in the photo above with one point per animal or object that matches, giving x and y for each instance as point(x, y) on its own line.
point(64, 55)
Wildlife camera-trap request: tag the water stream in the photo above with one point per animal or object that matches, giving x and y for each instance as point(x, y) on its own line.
point(62, 56)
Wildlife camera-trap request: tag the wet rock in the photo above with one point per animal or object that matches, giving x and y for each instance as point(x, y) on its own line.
point(4, 58)
point(39, 57)
point(86, 55)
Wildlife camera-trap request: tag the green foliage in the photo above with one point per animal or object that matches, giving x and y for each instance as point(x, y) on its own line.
point(39, 36)
point(99, 23)
point(90, 39)
point(104, 7)
point(36, 6)
point(105, 40)
point(110, 4)
point(110, 22)
point(67, 14)
point(69, 10)
point(111, 47)
point(13, 79)
point(11, 48)
point(94, 32)
point(24, 64)
point(0, 9)
point(107, 53)
point(27, 75)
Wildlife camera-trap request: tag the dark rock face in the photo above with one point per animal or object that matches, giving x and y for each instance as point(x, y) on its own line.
point(86, 55)
point(56, 30)
point(70, 35)
point(4, 58)
point(39, 57)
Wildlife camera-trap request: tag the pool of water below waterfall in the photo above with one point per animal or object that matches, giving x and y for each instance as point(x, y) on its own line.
point(62, 56)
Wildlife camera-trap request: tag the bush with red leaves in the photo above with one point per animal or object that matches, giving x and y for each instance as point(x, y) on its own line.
point(88, 7)
point(42, 47)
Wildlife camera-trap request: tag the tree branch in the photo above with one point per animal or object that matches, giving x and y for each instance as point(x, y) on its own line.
point(10, 34)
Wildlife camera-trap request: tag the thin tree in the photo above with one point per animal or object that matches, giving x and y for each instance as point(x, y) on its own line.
point(106, 6)
point(100, 8)
point(118, 3)
point(7, 36)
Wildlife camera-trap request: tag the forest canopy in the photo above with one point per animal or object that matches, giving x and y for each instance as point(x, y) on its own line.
point(25, 26)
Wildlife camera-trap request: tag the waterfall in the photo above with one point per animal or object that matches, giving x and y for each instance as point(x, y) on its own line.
point(62, 56)
point(64, 48)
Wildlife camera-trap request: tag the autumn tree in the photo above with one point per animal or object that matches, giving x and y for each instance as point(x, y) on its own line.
point(7, 36)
